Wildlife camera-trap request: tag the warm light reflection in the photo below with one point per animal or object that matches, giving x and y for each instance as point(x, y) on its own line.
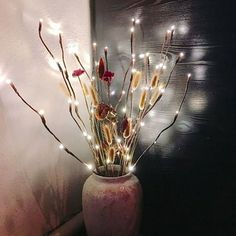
point(52, 63)
point(73, 47)
point(54, 28)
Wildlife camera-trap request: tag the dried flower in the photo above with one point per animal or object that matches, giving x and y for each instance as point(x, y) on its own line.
point(128, 130)
point(107, 76)
point(94, 96)
point(101, 68)
point(107, 134)
point(85, 89)
point(111, 154)
point(143, 99)
point(136, 80)
point(78, 72)
point(102, 111)
point(155, 80)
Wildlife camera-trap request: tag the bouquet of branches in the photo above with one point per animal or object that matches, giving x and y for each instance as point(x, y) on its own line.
point(115, 118)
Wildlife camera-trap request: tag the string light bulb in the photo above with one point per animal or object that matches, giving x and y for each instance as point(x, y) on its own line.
point(61, 146)
point(41, 112)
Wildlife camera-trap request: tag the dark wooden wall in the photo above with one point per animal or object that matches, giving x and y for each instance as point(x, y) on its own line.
point(189, 178)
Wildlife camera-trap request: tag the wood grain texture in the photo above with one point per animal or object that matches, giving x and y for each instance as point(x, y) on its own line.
point(188, 178)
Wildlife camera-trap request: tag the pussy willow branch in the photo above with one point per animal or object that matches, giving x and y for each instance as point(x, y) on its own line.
point(43, 120)
point(64, 63)
point(80, 63)
point(170, 125)
point(65, 79)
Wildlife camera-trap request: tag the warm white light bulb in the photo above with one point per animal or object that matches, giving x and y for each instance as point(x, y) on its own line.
point(94, 44)
point(172, 27)
point(85, 133)
point(89, 137)
point(8, 81)
point(118, 140)
point(90, 166)
point(76, 103)
point(124, 109)
point(141, 56)
point(41, 112)
point(69, 101)
point(123, 92)
point(189, 75)
point(132, 29)
point(61, 146)
point(131, 168)
point(181, 55)
point(137, 21)
point(142, 123)
point(96, 146)
point(177, 112)
point(113, 92)
point(162, 90)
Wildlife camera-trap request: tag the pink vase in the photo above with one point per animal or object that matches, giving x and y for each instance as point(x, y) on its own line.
point(112, 205)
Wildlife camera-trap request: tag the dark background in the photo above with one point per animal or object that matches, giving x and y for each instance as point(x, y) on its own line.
point(189, 178)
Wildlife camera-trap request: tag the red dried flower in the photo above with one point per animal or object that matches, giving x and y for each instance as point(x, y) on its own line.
point(77, 72)
point(102, 111)
point(101, 68)
point(107, 76)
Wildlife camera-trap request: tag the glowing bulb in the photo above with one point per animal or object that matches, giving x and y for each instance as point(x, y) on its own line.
point(61, 146)
point(93, 77)
point(113, 92)
point(76, 103)
point(132, 29)
point(8, 81)
point(108, 161)
point(168, 31)
point(164, 67)
point(89, 137)
point(55, 28)
point(172, 27)
point(123, 92)
point(41, 20)
point(85, 134)
point(177, 112)
point(157, 67)
point(92, 110)
point(69, 101)
point(133, 55)
point(162, 90)
point(133, 20)
point(128, 157)
point(118, 140)
point(105, 49)
point(131, 168)
point(90, 166)
point(133, 70)
point(155, 142)
point(147, 54)
point(124, 109)
point(41, 112)
point(181, 55)
point(94, 44)
point(189, 75)
point(141, 56)
point(142, 123)
point(73, 48)
point(137, 21)
point(96, 146)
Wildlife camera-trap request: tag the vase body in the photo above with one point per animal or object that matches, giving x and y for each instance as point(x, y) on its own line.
point(112, 205)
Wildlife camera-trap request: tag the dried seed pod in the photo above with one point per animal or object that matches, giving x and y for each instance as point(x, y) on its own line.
point(155, 95)
point(85, 89)
point(107, 134)
point(136, 80)
point(143, 99)
point(111, 154)
point(128, 130)
point(155, 80)
point(101, 68)
point(94, 96)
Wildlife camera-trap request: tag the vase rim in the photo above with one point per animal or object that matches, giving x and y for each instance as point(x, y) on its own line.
point(112, 177)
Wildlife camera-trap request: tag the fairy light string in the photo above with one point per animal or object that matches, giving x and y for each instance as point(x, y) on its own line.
point(113, 131)
point(44, 122)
